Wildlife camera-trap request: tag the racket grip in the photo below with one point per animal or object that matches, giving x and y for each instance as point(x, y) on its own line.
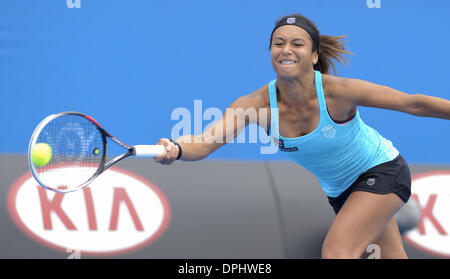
point(148, 150)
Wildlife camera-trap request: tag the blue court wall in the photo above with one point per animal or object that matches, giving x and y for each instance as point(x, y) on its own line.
point(129, 64)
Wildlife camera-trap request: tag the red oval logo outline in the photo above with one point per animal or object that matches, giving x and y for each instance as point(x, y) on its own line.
point(405, 236)
point(12, 194)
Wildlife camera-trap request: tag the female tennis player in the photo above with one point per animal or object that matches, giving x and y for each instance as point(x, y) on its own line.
point(314, 118)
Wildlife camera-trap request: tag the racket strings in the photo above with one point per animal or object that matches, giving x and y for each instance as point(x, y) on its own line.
point(77, 148)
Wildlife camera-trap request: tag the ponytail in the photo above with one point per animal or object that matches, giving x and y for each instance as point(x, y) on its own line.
point(331, 47)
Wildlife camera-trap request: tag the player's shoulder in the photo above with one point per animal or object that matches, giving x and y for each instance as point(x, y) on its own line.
point(337, 86)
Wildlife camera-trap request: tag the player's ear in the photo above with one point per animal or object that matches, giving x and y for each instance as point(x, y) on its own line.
point(315, 58)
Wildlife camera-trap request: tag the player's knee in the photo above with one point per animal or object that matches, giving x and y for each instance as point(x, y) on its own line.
point(338, 251)
point(332, 252)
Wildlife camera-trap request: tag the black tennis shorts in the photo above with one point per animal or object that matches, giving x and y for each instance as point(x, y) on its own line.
point(389, 177)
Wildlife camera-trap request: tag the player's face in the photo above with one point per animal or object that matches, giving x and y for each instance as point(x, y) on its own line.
point(291, 52)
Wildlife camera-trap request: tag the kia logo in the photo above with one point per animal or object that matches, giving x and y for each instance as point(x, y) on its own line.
point(431, 191)
point(119, 212)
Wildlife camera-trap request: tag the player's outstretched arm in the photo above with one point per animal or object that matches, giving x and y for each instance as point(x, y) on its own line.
point(364, 93)
point(242, 112)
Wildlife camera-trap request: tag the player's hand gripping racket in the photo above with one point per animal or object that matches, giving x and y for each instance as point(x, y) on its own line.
point(68, 150)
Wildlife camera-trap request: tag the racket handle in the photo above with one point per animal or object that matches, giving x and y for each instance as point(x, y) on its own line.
point(148, 150)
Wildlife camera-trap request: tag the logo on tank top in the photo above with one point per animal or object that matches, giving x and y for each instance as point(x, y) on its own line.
point(282, 147)
point(329, 131)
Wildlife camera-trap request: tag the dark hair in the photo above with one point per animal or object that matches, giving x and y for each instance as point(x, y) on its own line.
point(330, 47)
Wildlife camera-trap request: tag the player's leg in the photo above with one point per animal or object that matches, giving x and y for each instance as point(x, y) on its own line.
point(361, 221)
point(391, 242)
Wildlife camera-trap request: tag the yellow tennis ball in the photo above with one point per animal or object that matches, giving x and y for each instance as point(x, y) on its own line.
point(41, 154)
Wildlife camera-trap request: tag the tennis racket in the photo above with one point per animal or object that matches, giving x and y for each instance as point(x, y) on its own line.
point(75, 150)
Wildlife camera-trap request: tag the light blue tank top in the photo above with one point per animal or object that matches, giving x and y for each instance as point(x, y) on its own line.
point(337, 154)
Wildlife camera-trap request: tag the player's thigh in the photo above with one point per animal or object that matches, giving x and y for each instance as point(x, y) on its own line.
point(391, 242)
point(360, 221)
